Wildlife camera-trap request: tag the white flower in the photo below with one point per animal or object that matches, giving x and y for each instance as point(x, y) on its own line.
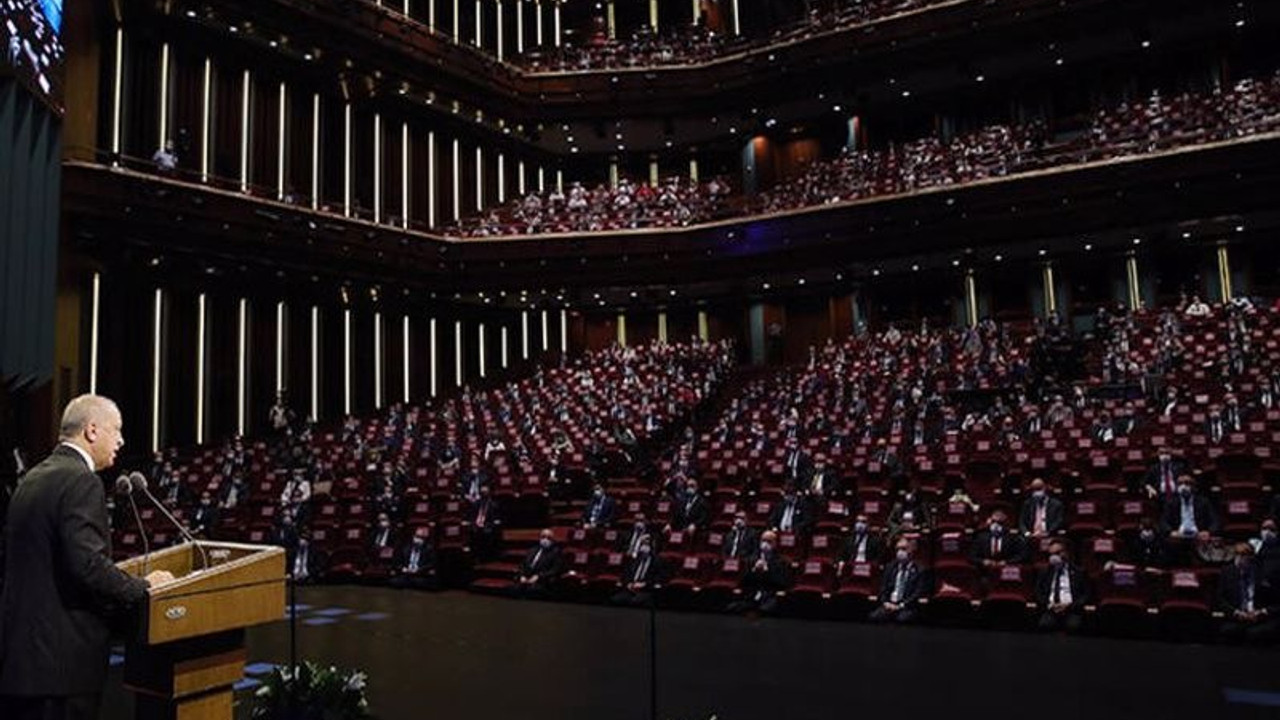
point(357, 681)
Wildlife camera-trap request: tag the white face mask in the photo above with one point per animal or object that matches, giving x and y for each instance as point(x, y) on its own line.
point(903, 555)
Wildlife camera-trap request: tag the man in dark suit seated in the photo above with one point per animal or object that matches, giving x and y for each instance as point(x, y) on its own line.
point(796, 464)
point(902, 586)
point(470, 484)
point(383, 536)
point(540, 568)
point(1188, 514)
point(61, 590)
point(1042, 514)
point(691, 511)
point(484, 516)
point(823, 483)
point(741, 541)
point(629, 540)
point(1248, 600)
point(1148, 549)
point(1161, 479)
point(768, 574)
point(642, 575)
point(1061, 591)
point(416, 564)
point(205, 518)
point(791, 513)
point(306, 564)
point(862, 545)
point(995, 546)
point(600, 509)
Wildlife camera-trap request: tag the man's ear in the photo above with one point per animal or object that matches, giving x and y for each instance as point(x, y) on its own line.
point(91, 432)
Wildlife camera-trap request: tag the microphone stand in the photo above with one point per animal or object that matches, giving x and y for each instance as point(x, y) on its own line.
point(126, 489)
point(182, 530)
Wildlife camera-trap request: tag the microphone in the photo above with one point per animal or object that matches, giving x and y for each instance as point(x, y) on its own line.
point(138, 482)
point(125, 487)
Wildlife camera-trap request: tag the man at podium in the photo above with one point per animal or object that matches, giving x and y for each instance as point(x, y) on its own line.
point(60, 586)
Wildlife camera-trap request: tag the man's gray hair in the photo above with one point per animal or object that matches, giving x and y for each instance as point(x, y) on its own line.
point(84, 410)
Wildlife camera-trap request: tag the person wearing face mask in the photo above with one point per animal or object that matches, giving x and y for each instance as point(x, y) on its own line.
point(995, 546)
point(690, 512)
point(1148, 548)
point(1042, 514)
point(1188, 514)
point(862, 546)
point(485, 518)
point(791, 514)
point(1162, 477)
point(767, 574)
point(909, 514)
point(1266, 549)
point(600, 509)
point(416, 563)
point(540, 567)
point(1061, 591)
point(741, 541)
point(205, 517)
point(629, 541)
point(384, 535)
point(306, 563)
point(902, 586)
point(1248, 600)
point(642, 575)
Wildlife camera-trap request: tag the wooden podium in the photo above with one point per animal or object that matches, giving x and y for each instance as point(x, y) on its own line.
point(190, 645)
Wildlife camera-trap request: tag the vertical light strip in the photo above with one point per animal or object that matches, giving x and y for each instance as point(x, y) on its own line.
point(662, 327)
point(560, 180)
point(404, 174)
point(1226, 292)
point(1050, 292)
point(542, 179)
point(622, 329)
point(94, 311)
point(538, 23)
point(281, 140)
point(200, 350)
point(556, 9)
point(479, 178)
point(377, 167)
point(520, 184)
point(117, 94)
point(564, 332)
point(315, 151)
point(693, 169)
point(704, 331)
point(457, 196)
point(431, 15)
point(457, 353)
point(653, 14)
point(971, 298)
point(611, 19)
point(431, 178)
point(737, 24)
point(315, 362)
point(432, 339)
point(346, 160)
point(697, 11)
point(498, 24)
point(613, 174)
point(457, 21)
point(156, 319)
point(206, 121)
point(653, 173)
point(280, 313)
point(404, 360)
point(377, 360)
point(481, 350)
point(242, 353)
point(546, 332)
point(346, 361)
point(245, 127)
point(1131, 275)
point(502, 178)
point(505, 356)
point(164, 94)
point(479, 21)
point(520, 26)
point(524, 334)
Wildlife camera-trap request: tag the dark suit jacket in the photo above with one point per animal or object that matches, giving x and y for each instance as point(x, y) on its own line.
point(426, 559)
point(1171, 514)
point(492, 515)
point(916, 587)
point(204, 520)
point(1153, 476)
point(1012, 548)
point(1154, 554)
point(849, 550)
point(60, 584)
point(683, 515)
point(747, 543)
point(775, 578)
point(1079, 586)
point(801, 516)
point(1231, 598)
point(1054, 515)
point(545, 564)
point(655, 574)
point(608, 509)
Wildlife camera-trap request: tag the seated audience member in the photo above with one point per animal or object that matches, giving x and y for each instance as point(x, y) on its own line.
point(741, 541)
point(484, 516)
point(909, 514)
point(629, 541)
point(862, 545)
point(1162, 477)
point(1061, 591)
point(416, 563)
point(791, 513)
point(307, 563)
point(995, 546)
point(165, 158)
point(767, 574)
point(1215, 428)
point(600, 509)
point(1188, 514)
point(1248, 600)
point(642, 575)
point(1197, 308)
point(1148, 549)
point(474, 479)
point(690, 513)
point(384, 535)
point(824, 483)
point(541, 566)
point(1266, 549)
point(205, 518)
point(1042, 514)
point(902, 586)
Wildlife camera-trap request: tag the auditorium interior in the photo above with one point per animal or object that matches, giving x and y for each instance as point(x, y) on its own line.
point(676, 358)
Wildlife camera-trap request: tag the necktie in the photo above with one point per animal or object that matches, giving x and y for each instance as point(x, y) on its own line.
point(533, 566)
point(480, 515)
point(733, 549)
point(900, 583)
point(995, 547)
point(640, 571)
point(413, 561)
point(1057, 586)
point(787, 517)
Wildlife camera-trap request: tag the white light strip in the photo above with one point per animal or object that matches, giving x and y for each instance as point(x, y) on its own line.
point(498, 14)
point(315, 151)
point(737, 25)
point(560, 180)
point(457, 353)
point(433, 356)
point(245, 126)
point(662, 327)
point(377, 360)
point(431, 177)
point(457, 21)
point(346, 161)
point(520, 183)
point(524, 334)
point(479, 178)
point(116, 92)
point(315, 363)
point(281, 141)
point(346, 362)
point(164, 94)
point(404, 172)
point(404, 343)
point(538, 23)
point(156, 319)
point(557, 17)
point(481, 350)
point(206, 121)
point(479, 20)
point(703, 332)
point(622, 329)
point(457, 196)
point(280, 310)
point(542, 179)
point(520, 26)
point(505, 356)
point(502, 178)
point(546, 333)
point(200, 348)
point(693, 169)
point(241, 354)
point(431, 15)
point(94, 310)
point(377, 167)
point(564, 332)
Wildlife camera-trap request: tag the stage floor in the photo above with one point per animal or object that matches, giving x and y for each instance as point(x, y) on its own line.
point(459, 656)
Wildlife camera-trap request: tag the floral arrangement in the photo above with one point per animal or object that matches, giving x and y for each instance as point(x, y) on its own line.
point(315, 693)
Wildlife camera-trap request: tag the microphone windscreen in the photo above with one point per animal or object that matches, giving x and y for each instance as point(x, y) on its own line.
point(138, 481)
point(123, 486)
